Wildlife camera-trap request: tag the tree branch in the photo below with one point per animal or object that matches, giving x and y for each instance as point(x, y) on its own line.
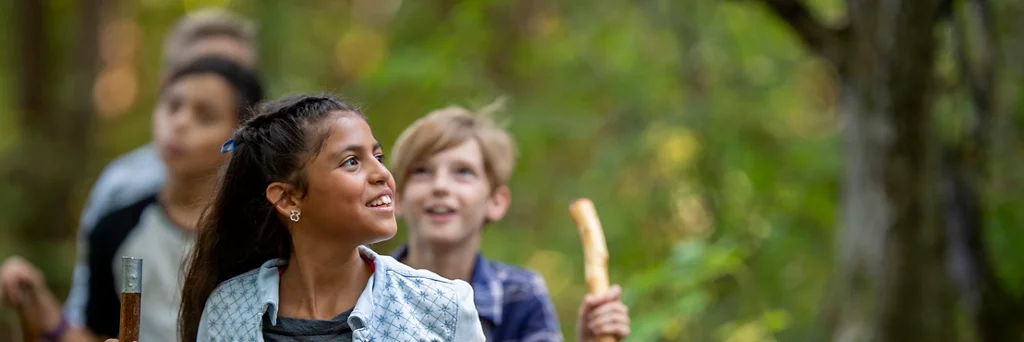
point(976, 53)
point(828, 42)
point(993, 310)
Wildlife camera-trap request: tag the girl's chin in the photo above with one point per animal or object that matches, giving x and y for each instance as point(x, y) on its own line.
point(385, 233)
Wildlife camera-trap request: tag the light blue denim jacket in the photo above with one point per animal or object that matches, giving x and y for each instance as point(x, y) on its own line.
point(398, 304)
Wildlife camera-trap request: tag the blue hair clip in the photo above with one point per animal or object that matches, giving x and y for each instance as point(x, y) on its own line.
point(228, 146)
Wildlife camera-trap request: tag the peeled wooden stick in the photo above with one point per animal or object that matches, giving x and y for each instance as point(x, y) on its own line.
point(595, 251)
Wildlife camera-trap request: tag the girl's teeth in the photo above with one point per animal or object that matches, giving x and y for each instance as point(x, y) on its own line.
point(381, 201)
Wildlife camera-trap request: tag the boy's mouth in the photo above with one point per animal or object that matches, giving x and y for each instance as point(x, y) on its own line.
point(439, 210)
point(440, 213)
point(172, 149)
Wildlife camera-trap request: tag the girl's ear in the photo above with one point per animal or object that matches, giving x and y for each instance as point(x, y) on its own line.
point(283, 197)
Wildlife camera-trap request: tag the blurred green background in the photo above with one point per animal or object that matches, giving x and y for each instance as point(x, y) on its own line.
point(703, 130)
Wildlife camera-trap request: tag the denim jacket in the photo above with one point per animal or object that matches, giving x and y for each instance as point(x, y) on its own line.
point(398, 304)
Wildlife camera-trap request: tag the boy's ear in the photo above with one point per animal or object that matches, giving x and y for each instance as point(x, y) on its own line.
point(497, 203)
point(283, 197)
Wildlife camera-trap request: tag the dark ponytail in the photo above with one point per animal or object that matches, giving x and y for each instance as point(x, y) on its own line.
point(240, 230)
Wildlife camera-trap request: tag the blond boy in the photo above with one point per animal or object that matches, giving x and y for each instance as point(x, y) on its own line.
point(452, 168)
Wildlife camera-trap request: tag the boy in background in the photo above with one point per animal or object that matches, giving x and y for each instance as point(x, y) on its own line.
point(451, 169)
point(140, 173)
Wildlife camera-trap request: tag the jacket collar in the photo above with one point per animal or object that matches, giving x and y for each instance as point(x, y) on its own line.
point(268, 280)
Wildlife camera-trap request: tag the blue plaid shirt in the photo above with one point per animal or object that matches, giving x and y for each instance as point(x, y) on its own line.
point(512, 302)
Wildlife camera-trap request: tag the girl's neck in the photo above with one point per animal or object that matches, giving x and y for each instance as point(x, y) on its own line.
point(184, 198)
point(321, 280)
point(449, 261)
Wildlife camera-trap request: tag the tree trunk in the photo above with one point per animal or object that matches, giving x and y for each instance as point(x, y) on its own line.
point(893, 284)
point(34, 80)
point(891, 253)
point(56, 135)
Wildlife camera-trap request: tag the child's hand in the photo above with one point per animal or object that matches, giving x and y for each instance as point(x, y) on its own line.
point(22, 286)
point(17, 276)
point(603, 316)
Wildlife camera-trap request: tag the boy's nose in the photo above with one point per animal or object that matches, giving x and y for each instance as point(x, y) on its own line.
point(440, 185)
point(180, 121)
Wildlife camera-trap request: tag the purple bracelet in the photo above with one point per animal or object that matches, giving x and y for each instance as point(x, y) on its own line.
point(57, 332)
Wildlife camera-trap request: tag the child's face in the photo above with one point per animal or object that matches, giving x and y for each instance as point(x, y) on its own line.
point(193, 118)
point(448, 198)
point(350, 190)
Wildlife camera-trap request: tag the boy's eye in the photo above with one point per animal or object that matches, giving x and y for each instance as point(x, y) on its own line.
point(174, 104)
point(350, 161)
point(204, 117)
point(380, 157)
point(465, 171)
point(419, 170)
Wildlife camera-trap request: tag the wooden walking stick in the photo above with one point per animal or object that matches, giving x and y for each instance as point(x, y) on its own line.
point(131, 299)
point(595, 251)
point(30, 332)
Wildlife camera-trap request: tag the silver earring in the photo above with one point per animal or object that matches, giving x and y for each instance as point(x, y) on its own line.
point(294, 216)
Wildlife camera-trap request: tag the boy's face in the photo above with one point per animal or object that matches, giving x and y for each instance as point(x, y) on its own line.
point(447, 198)
point(193, 118)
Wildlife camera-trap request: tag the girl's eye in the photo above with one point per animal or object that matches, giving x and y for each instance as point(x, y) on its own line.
point(465, 171)
point(419, 170)
point(351, 161)
point(380, 157)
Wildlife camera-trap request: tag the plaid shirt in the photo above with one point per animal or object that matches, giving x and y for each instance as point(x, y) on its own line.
point(512, 302)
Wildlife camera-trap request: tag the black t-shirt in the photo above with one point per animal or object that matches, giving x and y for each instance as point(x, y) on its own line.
point(296, 329)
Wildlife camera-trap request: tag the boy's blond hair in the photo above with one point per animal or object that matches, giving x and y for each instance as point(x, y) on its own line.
point(203, 24)
point(448, 127)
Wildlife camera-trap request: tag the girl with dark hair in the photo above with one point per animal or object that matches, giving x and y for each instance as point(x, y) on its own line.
point(281, 250)
point(199, 106)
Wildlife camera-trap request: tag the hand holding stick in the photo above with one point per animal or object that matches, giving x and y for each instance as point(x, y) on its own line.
point(595, 250)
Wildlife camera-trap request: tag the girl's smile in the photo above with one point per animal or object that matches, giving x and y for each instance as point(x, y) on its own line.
point(382, 203)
